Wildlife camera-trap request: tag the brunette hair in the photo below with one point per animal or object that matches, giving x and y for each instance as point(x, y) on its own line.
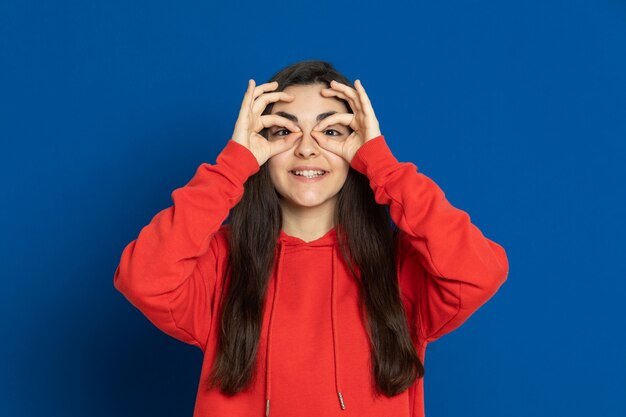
point(367, 237)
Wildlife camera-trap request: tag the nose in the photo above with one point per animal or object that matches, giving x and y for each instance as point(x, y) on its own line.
point(306, 145)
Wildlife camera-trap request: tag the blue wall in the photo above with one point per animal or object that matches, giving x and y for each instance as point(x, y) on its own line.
point(516, 109)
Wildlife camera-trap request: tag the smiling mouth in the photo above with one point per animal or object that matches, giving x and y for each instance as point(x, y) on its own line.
point(309, 174)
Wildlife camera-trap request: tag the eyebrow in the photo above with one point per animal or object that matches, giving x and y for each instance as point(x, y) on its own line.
point(295, 119)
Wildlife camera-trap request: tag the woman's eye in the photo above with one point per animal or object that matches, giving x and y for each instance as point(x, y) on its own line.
point(333, 130)
point(282, 130)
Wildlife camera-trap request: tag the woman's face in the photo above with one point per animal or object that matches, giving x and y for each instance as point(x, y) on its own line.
point(304, 110)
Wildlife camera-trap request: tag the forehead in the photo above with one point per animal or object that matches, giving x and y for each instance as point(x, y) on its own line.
point(308, 101)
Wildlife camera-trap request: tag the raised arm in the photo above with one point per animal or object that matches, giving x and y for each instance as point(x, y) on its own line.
point(160, 273)
point(448, 267)
point(169, 272)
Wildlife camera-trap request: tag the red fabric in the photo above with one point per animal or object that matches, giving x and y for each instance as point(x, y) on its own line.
point(317, 345)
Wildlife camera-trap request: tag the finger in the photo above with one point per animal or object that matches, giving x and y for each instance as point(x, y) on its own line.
point(347, 91)
point(264, 88)
point(325, 143)
point(283, 144)
point(329, 92)
point(346, 119)
point(354, 106)
point(334, 93)
point(262, 102)
point(367, 105)
point(269, 120)
point(247, 97)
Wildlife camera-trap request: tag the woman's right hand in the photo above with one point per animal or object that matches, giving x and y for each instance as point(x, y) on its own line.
point(250, 122)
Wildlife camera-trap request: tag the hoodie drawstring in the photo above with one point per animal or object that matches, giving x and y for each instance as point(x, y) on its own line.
point(268, 363)
point(335, 342)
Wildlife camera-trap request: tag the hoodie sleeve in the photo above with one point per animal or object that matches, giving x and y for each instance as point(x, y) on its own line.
point(450, 268)
point(169, 271)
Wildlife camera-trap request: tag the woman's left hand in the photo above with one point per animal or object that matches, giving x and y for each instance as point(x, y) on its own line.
point(362, 121)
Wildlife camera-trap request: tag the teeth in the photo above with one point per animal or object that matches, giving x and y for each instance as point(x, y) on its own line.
point(309, 173)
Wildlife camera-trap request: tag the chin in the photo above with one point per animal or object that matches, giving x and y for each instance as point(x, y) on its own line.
point(312, 204)
point(307, 202)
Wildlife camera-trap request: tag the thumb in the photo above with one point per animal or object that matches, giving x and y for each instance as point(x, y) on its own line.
point(284, 144)
point(326, 143)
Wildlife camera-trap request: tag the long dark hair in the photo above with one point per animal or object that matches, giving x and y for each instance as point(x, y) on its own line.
point(367, 237)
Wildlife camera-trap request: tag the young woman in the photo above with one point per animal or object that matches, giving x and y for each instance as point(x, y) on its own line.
point(337, 267)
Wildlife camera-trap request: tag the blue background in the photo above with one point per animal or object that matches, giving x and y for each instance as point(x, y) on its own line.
point(517, 109)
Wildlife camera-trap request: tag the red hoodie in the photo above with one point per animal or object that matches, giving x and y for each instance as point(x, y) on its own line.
point(314, 353)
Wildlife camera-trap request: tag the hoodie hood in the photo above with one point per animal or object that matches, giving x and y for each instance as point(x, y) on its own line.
point(284, 241)
point(328, 239)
